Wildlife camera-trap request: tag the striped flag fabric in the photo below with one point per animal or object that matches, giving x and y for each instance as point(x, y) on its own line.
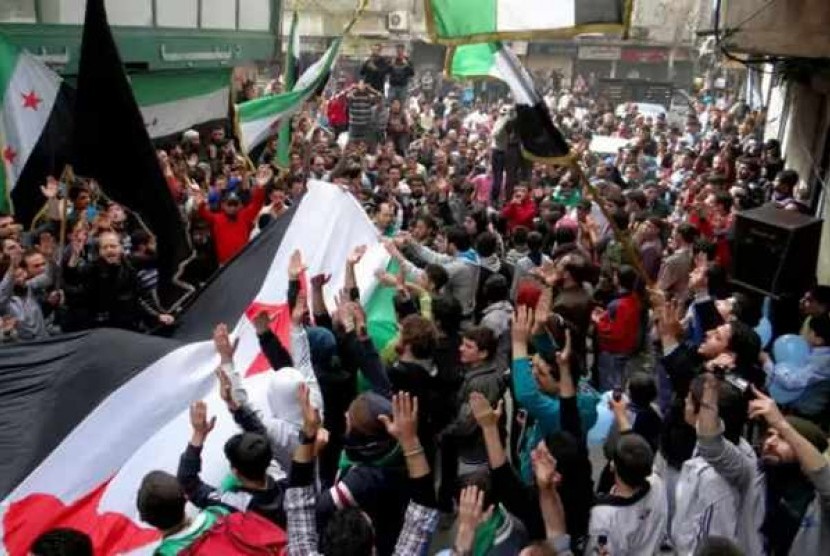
point(470, 21)
point(171, 102)
point(540, 139)
point(259, 118)
point(86, 416)
point(32, 142)
point(292, 63)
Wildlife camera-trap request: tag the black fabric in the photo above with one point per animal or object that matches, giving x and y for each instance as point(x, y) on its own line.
point(538, 136)
point(232, 289)
point(48, 387)
point(49, 156)
point(111, 145)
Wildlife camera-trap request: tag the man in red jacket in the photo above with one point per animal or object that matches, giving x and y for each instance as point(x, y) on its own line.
point(619, 330)
point(520, 211)
point(232, 227)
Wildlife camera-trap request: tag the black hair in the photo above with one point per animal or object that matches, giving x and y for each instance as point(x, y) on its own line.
point(428, 221)
point(788, 178)
point(161, 500)
point(457, 236)
point(724, 200)
point(746, 309)
point(348, 533)
point(249, 454)
point(633, 459)
point(628, 278)
point(620, 218)
point(642, 389)
point(717, 546)
point(480, 218)
point(821, 294)
point(447, 312)
point(535, 241)
point(139, 238)
point(745, 344)
point(820, 325)
point(404, 306)
point(496, 289)
point(563, 235)
point(703, 245)
point(437, 274)
point(732, 406)
point(486, 244)
point(484, 339)
point(519, 235)
point(637, 197)
point(717, 280)
point(62, 542)
point(687, 232)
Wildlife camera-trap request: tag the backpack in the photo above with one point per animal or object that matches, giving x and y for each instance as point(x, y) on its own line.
point(240, 533)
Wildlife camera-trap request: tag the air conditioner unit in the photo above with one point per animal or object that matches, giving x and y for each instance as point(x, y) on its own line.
point(398, 21)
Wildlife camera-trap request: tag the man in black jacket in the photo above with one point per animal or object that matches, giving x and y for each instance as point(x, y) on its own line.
point(110, 287)
point(375, 70)
point(400, 73)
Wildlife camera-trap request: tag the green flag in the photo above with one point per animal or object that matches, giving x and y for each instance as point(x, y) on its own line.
point(467, 21)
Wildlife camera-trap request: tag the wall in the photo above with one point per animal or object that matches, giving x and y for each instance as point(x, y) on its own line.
point(778, 27)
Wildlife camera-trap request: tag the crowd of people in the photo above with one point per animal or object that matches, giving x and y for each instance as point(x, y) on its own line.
point(524, 299)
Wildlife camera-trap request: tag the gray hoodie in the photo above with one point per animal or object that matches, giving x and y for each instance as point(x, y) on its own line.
point(463, 276)
point(813, 537)
point(497, 318)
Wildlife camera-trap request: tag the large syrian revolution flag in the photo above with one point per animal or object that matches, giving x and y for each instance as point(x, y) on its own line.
point(86, 416)
point(540, 139)
point(173, 101)
point(34, 126)
point(470, 21)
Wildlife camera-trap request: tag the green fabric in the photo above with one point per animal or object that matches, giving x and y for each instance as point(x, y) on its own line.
point(8, 61)
point(474, 60)
point(485, 535)
point(463, 17)
point(570, 198)
point(171, 546)
point(229, 483)
point(392, 459)
point(171, 86)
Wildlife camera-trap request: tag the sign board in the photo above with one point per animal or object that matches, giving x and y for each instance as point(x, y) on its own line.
point(599, 53)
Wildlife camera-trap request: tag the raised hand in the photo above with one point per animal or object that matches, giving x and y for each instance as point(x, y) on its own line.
point(320, 280)
point(765, 407)
point(262, 323)
point(544, 467)
point(563, 356)
point(51, 189)
point(470, 515)
point(542, 312)
point(200, 423)
point(300, 308)
point(311, 416)
point(522, 325)
point(226, 390)
point(356, 254)
point(403, 426)
point(295, 265)
point(483, 412)
point(222, 343)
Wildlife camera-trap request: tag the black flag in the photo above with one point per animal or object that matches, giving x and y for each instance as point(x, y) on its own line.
point(111, 145)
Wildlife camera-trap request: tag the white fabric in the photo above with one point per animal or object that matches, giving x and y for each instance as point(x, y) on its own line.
point(526, 15)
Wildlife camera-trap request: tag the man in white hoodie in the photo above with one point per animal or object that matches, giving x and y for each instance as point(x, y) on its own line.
point(705, 503)
point(282, 419)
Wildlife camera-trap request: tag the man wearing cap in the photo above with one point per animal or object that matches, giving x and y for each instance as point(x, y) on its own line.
point(792, 482)
point(231, 227)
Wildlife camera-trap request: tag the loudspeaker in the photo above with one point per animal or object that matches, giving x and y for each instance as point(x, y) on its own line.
point(775, 251)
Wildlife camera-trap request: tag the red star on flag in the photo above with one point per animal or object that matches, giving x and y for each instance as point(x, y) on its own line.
point(31, 100)
point(9, 154)
point(280, 315)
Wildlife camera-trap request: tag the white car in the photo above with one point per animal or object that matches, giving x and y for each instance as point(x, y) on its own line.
point(645, 108)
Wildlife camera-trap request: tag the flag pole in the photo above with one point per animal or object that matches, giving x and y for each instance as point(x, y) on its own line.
point(67, 178)
point(632, 254)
